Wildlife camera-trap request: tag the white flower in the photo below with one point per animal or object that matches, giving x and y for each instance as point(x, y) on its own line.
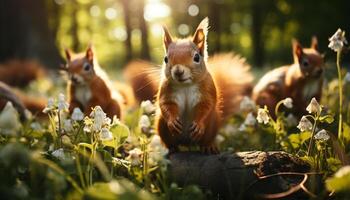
point(106, 135)
point(50, 105)
point(229, 130)
point(247, 104)
point(291, 120)
point(314, 107)
point(263, 116)
point(144, 122)
point(219, 139)
point(67, 125)
point(242, 127)
point(304, 124)
point(35, 126)
point(77, 115)
point(288, 102)
point(322, 135)
point(347, 77)
point(9, 120)
point(59, 154)
point(344, 171)
point(157, 151)
point(250, 120)
point(100, 118)
point(148, 107)
point(337, 41)
point(62, 104)
point(115, 187)
point(135, 157)
point(156, 142)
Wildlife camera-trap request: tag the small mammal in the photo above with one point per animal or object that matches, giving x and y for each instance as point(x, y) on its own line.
point(301, 80)
point(89, 86)
point(194, 96)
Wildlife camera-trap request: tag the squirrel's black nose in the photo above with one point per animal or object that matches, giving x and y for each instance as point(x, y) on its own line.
point(319, 71)
point(74, 79)
point(179, 72)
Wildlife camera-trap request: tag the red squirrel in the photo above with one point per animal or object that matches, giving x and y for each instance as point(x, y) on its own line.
point(20, 73)
point(89, 86)
point(193, 97)
point(301, 80)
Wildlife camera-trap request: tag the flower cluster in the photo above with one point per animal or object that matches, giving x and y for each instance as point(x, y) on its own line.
point(263, 116)
point(98, 122)
point(337, 41)
point(247, 104)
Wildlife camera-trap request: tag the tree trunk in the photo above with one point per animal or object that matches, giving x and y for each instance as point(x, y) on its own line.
point(257, 26)
point(243, 175)
point(215, 20)
point(127, 23)
point(145, 54)
point(25, 32)
point(75, 27)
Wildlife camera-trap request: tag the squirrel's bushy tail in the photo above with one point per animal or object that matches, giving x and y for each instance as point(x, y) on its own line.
point(21, 101)
point(144, 78)
point(20, 73)
point(233, 80)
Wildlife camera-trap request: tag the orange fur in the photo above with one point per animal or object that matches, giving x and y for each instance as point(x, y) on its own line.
point(193, 100)
point(293, 81)
point(20, 73)
point(89, 85)
point(143, 78)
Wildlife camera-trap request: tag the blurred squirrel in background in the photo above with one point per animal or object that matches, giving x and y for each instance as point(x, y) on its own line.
point(89, 86)
point(16, 74)
point(300, 81)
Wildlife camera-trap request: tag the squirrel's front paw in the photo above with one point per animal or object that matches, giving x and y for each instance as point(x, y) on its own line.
point(175, 126)
point(196, 130)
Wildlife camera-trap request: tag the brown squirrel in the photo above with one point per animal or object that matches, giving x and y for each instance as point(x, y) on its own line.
point(20, 73)
point(194, 100)
point(301, 81)
point(89, 86)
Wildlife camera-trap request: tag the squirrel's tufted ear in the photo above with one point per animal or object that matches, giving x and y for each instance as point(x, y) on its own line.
point(314, 43)
point(297, 50)
point(68, 54)
point(167, 39)
point(89, 53)
point(200, 36)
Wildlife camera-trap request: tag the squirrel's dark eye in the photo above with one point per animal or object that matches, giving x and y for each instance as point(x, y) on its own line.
point(196, 58)
point(305, 63)
point(87, 67)
point(166, 59)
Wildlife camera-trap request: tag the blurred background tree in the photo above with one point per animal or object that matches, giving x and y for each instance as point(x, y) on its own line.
point(121, 30)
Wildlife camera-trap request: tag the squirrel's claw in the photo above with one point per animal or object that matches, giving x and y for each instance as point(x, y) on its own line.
point(196, 131)
point(175, 126)
point(211, 149)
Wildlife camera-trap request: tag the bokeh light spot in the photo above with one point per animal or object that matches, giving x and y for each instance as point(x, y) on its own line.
point(193, 10)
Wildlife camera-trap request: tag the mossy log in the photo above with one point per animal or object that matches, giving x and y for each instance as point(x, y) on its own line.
point(244, 175)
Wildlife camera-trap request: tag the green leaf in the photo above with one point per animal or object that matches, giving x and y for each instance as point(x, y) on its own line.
point(346, 131)
point(338, 184)
point(327, 118)
point(120, 132)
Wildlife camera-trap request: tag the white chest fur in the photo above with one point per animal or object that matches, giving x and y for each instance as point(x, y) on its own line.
point(186, 98)
point(83, 94)
point(311, 89)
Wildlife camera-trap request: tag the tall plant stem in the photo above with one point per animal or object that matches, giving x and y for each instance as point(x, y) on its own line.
point(340, 85)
